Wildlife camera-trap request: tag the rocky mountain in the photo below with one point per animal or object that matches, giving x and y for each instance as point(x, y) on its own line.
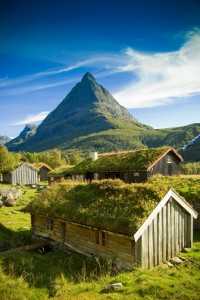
point(89, 119)
point(87, 110)
point(4, 139)
point(25, 134)
point(191, 150)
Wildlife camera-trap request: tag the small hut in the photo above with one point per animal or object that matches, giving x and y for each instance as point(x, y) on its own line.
point(22, 174)
point(43, 171)
point(137, 224)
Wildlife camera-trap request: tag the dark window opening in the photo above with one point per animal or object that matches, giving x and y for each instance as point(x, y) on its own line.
point(50, 224)
point(100, 238)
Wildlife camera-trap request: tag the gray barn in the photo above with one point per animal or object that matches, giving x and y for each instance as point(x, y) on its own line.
point(23, 174)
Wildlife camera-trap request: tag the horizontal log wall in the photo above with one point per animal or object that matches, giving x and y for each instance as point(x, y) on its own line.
point(83, 238)
point(39, 227)
point(169, 233)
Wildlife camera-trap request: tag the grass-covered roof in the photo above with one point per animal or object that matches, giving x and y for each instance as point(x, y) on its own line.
point(108, 204)
point(112, 204)
point(120, 161)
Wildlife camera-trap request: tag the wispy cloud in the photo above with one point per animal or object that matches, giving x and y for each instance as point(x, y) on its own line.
point(33, 118)
point(162, 77)
point(159, 78)
point(101, 60)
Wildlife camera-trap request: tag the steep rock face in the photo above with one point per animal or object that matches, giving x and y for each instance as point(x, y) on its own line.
point(28, 131)
point(89, 108)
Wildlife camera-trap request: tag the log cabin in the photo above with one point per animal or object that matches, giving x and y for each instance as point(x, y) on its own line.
point(130, 166)
point(132, 224)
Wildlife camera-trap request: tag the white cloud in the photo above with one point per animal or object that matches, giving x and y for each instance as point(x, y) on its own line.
point(162, 77)
point(33, 118)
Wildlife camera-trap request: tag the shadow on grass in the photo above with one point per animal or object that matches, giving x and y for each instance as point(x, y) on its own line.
point(14, 239)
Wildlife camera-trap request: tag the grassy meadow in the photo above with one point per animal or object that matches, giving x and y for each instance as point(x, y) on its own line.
point(61, 275)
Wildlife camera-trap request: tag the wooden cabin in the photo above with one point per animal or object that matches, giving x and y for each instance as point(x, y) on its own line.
point(43, 171)
point(132, 166)
point(113, 227)
point(23, 174)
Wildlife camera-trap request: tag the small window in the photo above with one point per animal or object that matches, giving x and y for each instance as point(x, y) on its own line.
point(50, 224)
point(100, 238)
point(136, 174)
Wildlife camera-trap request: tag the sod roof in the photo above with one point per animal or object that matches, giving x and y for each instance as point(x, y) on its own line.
point(108, 204)
point(121, 161)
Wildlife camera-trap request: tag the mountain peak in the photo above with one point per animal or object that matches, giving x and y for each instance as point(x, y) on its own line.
point(88, 76)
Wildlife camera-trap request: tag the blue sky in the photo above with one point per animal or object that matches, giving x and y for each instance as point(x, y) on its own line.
point(146, 53)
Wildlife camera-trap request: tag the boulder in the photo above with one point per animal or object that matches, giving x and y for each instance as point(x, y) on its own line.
point(10, 202)
point(112, 287)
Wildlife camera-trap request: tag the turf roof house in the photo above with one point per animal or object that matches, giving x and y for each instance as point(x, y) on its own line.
point(122, 222)
point(43, 171)
point(22, 174)
point(133, 166)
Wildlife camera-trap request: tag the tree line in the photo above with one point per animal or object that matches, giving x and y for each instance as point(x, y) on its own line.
point(54, 158)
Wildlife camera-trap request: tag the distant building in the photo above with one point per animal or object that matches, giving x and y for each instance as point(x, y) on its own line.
point(43, 171)
point(23, 174)
point(131, 166)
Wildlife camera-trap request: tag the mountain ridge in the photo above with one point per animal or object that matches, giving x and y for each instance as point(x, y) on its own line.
point(89, 119)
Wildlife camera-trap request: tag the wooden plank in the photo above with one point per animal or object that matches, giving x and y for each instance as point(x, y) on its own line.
point(150, 248)
point(180, 229)
point(190, 231)
point(145, 249)
point(185, 229)
point(172, 230)
point(155, 241)
point(176, 238)
point(27, 247)
point(169, 237)
point(138, 252)
point(160, 237)
point(164, 234)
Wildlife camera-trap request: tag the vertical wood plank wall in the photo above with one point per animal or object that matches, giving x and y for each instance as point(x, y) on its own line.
point(169, 233)
point(24, 175)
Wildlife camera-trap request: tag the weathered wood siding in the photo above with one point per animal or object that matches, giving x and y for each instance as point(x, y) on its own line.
point(118, 246)
point(39, 228)
point(81, 238)
point(168, 165)
point(167, 235)
point(24, 174)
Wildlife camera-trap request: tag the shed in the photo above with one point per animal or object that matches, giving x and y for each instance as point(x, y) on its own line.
point(130, 166)
point(43, 171)
point(22, 174)
point(118, 221)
